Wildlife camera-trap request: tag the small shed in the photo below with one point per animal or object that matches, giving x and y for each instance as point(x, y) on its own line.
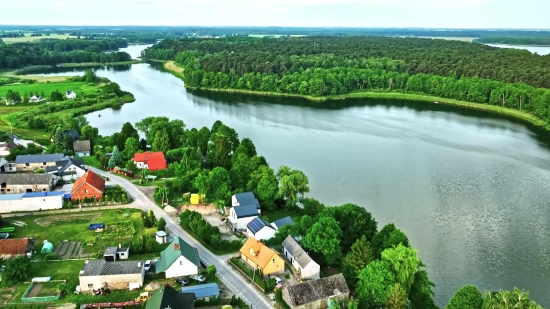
point(161, 237)
point(112, 254)
point(47, 248)
point(203, 291)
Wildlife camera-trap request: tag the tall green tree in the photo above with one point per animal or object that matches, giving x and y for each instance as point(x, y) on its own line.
point(356, 259)
point(263, 183)
point(516, 299)
point(219, 186)
point(404, 263)
point(421, 295)
point(16, 271)
point(292, 184)
point(388, 237)
point(161, 141)
point(374, 283)
point(131, 147)
point(468, 297)
point(78, 123)
point(324, 237)
point(115, 159)
point(129, 131)
point(397, 298)
point(250, 147)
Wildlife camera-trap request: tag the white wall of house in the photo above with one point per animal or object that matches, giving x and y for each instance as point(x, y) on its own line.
point(264, 233)
point(10, 167)
point(83, 154)
point(181, 267)
point(115, 282)
point(310, 271)
point(234, 201)
point(239, 223)
point(141, 165)
point(31, 204)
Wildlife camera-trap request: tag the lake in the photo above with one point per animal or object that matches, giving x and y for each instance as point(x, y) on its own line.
point(470, 188)
point(541, 50)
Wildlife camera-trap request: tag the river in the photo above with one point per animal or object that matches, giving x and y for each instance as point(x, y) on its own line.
point(470, 188)
point(541, 50)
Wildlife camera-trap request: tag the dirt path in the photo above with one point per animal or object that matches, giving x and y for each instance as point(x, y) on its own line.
point(69, 252)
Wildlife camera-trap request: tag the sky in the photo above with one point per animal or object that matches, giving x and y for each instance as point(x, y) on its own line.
point(284, 13)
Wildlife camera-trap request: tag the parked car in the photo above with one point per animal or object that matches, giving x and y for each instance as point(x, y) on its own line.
point(182, 281)
point(147, 265)
point(277, 280)
point(199, 278)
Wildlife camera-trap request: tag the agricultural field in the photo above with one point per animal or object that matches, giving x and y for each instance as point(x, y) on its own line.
point(28, 38)
point(48, 88)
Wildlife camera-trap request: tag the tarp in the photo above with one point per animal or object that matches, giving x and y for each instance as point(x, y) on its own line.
point(94, 226)
point(195, 199)
point(47, 248)
point(134, 286)
point(41, 279)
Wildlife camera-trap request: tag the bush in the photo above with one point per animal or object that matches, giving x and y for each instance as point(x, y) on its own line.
point(238, 302)
point(216, 300)
point(161, 224)
point(257, 277)
point(211, 270)
point(51, 257)
point(194, 223)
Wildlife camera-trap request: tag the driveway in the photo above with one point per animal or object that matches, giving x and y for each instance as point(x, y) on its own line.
point(238, 285)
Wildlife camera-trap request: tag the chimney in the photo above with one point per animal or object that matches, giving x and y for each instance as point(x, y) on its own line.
point(119, 246)
point(176, 246)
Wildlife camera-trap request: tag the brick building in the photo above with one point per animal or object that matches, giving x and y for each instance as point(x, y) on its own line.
point(90, 185)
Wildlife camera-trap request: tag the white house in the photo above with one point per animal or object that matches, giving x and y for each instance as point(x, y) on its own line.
point(33, 201)
point(35, 98)
point(282, 222)
point(245, 198)
point(70, 94)
point(178, 259)
point(260, 229)
point(119, 275)
point(67, 169)
point(240, 216)
point(300, 260)
point(7, 167)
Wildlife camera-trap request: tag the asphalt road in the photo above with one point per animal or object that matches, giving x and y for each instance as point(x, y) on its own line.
point(239, 286)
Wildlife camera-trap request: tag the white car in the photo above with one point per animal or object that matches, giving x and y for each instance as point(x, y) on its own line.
point(278, 280)
point(147, 265)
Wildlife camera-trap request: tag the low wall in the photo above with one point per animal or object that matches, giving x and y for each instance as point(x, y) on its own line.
point(26, 299)
point(72, 210)
point(31, 204)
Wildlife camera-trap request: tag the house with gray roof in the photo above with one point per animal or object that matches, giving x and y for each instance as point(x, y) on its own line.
point(306, 268)
point(260, 229)
point(82, 148)
point(240, 216)
point(26, 182)
point(30, 163)
point(67, 169)
point(178, 259)
point(119, 275)
point(316, 293)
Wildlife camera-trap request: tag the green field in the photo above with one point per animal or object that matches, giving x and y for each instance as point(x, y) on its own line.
point(28, 38)
point(276, 35)
point(48, 88)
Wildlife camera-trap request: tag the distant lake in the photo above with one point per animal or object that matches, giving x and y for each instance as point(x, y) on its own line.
point(541, 50)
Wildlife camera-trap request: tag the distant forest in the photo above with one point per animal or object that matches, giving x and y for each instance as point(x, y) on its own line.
point(324, 66)
point(54, 51)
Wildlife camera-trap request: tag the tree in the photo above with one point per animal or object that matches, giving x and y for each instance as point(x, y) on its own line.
point(421, 295)
point(356, 259)
point(388, 237)
point(468, 297)
point(211, 270)
point(88, 133)
point(312, 206)
point(59, 136)
point(353, 304)
point(176, 132)
point(404, 264)
point(219, 186)
point(397, 298)
point(249, 145)
point(115, 159)
point(78, 123)
point(263, 183)
point(161, 142)
point(142, 144)
point(117, 140)
point(90, 76)
point(129, 131)
point(516, 299)
point(324, 237)
point(131, 166)
point(56, 96)
point(16, 271)
point(54, 148)
point(112, 87)
point(374, 283)
point(161, 224)
point(292, 183)
point(131, 147)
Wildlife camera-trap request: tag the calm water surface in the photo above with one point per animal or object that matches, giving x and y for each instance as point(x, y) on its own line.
point(471, 189)
point(541, 50)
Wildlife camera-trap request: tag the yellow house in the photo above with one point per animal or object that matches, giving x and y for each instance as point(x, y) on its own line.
point(257, 255)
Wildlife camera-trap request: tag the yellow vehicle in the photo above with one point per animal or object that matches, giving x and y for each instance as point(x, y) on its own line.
point(143, 297)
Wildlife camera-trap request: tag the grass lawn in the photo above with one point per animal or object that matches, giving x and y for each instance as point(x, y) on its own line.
point(23, 132)
point(28, 38)
point(74, 227)
point(40, 78)
point(48, 289)
point(48, 88)
point(8, 109)
point(92, 161)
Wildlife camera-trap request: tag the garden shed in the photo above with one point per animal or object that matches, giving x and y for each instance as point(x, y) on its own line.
point(47, 247)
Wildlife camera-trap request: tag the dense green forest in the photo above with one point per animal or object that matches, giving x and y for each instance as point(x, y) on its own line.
point(544, 41)
point(54, 51)
point(324, 66)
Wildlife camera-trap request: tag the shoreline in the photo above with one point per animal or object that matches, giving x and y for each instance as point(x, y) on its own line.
point(93, 64)
point(169, 65)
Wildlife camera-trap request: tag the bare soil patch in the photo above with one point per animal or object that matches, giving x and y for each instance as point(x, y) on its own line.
point(211, 214)
point(67, 218)
point(148, 191)
point(153, 286)
point(170, 65)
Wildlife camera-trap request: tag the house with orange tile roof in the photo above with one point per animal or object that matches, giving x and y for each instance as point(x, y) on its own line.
point(259, 256)
point(152, 161)
point(90, 185)
point(14, 247)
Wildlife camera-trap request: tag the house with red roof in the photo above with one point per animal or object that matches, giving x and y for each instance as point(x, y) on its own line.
point(152, 161)
point(90, 185)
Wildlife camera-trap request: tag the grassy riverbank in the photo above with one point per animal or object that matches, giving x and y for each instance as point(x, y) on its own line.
point(93, 64)
point(177, 71)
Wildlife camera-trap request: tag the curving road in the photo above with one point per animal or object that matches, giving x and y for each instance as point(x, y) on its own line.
point(239, 286)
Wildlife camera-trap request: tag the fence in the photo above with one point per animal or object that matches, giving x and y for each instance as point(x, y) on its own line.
point(26, 299)
point(72, 210)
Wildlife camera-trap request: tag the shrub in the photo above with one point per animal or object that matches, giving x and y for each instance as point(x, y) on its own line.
point(161, 224)
point(211, 270)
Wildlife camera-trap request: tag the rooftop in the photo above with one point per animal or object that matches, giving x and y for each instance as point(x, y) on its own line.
point(15, 246)
point(311, 291)
point(38, 158)
point(282, 222)
point(103, 268)
point(257, 252)
point(257, 224)
point(177, 248)
point(167, 297)
point(202, 290)
point(245, 211)
point(90, 178)
point(244, 197)
point(296, 251)
point(82, 145)
point(26, 179)
point(43, 194)
point(154, 160)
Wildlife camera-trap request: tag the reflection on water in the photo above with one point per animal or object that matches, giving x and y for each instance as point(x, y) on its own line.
point(469, 187)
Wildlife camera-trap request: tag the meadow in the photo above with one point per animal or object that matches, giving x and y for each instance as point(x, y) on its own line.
point(48, 88)
point(28, 38)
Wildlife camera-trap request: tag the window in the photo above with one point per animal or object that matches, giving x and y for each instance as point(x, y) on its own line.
point(121, 253)
point(85, 190)
point(44, 200)
point(9, 190)
point(90, 285)
point(181, 262)
point(44, 190)
point(95, 196)
point(43, 163)
point(273, 260)
point(26, 164)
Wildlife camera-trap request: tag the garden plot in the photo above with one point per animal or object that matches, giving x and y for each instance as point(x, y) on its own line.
point(124, 229)
point(43, 289)
point(67, 219)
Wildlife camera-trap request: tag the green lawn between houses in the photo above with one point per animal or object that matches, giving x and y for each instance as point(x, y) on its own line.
point(48, 88)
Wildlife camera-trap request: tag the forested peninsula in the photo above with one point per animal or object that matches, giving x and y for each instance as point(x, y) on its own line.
point(337, 67)
point(54, 52)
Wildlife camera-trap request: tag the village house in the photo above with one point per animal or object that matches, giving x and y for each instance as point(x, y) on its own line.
point(300, 260)
point(152, 161)
point(73, 134)
point(202, 291)
point(119, 275)
point(7, 167)
point(30, 163)
point(160, 237)
point(166, 297)
point(282, 222)
point(112, 254)
point(5, 148)
point(316, 294)
point(258, 256)
point(14, 247)
point(245, 198)
point(67, 169)
point(259, 229)
point(82, 148)
point(26, 182)
point(90, 185)
point(70, 94)
point(34, 201)
point(240, 216)
point(35, 99)
point(178, 259)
